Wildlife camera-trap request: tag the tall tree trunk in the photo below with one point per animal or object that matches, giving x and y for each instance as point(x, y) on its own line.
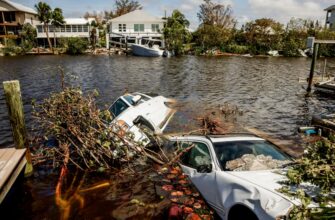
point(46, 30)
point(55, 37)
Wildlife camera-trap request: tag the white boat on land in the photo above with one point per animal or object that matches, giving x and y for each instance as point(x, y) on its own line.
point(149, 49)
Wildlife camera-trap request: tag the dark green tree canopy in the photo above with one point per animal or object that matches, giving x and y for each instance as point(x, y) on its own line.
point(57, 17)
point(176, 33)
point(44, 12)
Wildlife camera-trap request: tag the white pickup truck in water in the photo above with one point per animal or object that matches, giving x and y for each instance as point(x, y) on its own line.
point(133, 111)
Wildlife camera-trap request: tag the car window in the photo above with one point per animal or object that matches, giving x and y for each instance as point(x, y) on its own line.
point(118, 107)
point(199, 155)
point(241, 153)
point(129, 99)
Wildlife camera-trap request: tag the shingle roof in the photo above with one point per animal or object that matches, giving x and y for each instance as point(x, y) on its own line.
point(136, 16)
point(330, 8)
point(20, 7)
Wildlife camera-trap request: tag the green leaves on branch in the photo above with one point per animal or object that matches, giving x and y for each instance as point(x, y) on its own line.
point(317, 167)
point(83, 137)
point(176, 33)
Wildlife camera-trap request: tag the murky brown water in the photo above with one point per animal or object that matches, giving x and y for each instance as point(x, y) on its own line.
point(267, 90)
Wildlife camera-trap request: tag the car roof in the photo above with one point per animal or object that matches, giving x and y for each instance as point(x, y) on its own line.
point(223, 137)
point(234, 137)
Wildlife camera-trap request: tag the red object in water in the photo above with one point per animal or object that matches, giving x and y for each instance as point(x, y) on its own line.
point(193, 216)
point(175, 212)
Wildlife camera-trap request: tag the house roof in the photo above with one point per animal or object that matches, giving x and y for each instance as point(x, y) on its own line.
point(330, 8)
point(136, 16)
point(19, 7)
point(78, 20)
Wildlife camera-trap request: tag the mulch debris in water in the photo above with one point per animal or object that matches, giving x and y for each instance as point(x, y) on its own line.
point(186, 201)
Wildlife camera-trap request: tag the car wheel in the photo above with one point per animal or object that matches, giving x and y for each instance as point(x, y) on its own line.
point(240, 212)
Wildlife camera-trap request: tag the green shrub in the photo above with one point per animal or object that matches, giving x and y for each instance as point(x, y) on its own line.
point(28, 37)
point(291, 47)
point(11, 48)
point(238, 49)
point(76, 45)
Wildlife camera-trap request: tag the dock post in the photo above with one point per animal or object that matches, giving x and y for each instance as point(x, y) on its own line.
point(127, 45)
point(12, 93)
point(311, 74)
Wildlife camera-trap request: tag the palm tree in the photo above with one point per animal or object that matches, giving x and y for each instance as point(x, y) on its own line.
point(57, 21)
point(44, 14)
point(175, 32)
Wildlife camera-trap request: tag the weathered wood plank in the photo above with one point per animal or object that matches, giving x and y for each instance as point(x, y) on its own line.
point(6, 155)
point(12, 93)
point(14, 161)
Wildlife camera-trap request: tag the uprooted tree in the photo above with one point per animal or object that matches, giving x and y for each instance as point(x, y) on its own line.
point(82, 134)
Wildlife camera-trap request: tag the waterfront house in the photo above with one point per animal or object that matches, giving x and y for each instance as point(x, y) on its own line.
point(12, 17)
point(330, 17)
point(135, 26)
point(73, 27)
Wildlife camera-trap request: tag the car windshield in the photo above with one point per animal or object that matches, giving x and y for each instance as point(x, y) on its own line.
point(249, 155)
point(118, 107)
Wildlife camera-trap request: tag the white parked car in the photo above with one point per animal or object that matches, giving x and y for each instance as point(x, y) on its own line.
point(237, 174)
point(133, 111)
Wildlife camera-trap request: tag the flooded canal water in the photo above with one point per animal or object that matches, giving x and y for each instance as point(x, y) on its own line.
point(269, 91)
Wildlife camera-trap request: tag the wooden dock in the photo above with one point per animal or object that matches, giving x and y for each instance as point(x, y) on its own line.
point(12, 161)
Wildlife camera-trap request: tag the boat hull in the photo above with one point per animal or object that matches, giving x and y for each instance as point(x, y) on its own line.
point(141, 50)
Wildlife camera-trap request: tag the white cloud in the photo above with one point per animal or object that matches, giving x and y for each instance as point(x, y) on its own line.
point(283, 10)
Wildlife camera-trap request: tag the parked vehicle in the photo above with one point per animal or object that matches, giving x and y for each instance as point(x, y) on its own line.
point(237, 174)
point(136, 112)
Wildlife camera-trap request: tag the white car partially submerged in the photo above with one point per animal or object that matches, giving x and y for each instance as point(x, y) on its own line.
point(237, 174)
point(134, 111)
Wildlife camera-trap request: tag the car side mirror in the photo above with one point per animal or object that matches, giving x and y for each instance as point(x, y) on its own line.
point(207, 168)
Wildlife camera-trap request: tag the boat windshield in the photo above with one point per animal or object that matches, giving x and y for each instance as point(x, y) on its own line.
point(249, 155)
point(118, 107)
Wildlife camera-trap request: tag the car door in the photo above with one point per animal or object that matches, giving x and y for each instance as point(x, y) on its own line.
point(194, 164)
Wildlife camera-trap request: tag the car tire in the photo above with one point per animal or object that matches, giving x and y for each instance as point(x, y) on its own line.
point(241, 212)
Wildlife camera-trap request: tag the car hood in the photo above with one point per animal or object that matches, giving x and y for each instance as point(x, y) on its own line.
point(267, 179)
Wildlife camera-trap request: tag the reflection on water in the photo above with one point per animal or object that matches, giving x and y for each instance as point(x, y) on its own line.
point(267, 90)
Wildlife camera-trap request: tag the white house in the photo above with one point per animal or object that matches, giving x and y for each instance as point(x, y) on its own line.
point(134, 26)
point(330, 17)
point(73, 27)
point(13, 16)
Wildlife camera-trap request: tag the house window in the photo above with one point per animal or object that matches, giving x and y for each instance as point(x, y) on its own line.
point(9, 16)
point(155, 27)
point(51, 28)
point(122, 28)
point(39, 29)
point(80, 28)
point(74, 28)
point(138, 27)
point(62, 28)
point(68, 28)
point(85, 28)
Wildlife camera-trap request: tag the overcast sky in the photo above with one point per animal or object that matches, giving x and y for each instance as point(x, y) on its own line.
point(244, 10)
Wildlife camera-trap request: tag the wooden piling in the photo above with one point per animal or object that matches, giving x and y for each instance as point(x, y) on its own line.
point(311, 74)
point(12, 93)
